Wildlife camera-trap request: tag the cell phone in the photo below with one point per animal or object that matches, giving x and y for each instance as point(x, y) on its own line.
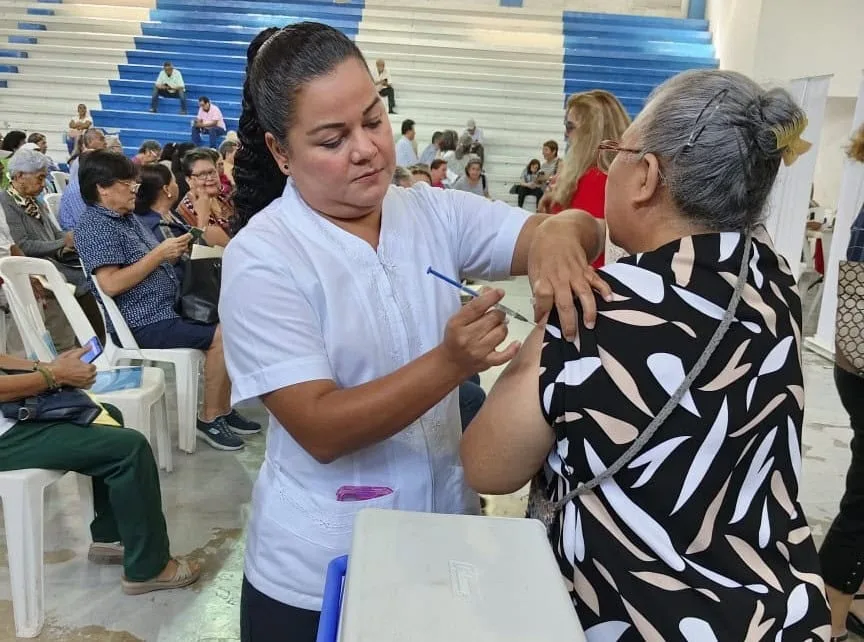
point(94, 349)
point(196, 233)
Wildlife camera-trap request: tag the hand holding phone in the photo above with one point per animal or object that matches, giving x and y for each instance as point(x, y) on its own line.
point(94, 349)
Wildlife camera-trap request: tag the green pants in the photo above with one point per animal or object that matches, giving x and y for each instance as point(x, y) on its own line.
point(126, 494)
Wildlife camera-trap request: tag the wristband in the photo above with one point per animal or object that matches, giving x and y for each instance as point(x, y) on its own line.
point(36, 365)
point(48, 376)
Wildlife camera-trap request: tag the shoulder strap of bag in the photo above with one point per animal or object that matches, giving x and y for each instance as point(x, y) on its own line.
point(674, 400)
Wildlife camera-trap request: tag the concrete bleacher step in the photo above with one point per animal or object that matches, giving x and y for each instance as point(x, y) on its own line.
point(72, 23)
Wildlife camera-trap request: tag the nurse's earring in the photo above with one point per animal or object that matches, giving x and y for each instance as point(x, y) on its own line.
point(286, 169)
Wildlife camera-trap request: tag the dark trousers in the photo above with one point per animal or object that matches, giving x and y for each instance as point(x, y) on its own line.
point(126, 494)
point(471, 398)
point(214, 134)
point(524, 192)
point(263, 619)
point(168, 93)
point(842, 552)
point(391, 97)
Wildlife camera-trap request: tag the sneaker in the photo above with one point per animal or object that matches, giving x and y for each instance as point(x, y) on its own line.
point(106, 553)
point(219, 435)
point(240, 425)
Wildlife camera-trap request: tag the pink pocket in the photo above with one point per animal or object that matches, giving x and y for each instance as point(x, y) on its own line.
point(361, 493)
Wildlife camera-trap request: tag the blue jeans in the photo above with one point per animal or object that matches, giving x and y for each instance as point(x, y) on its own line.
point(215, 134)
point(471, 398)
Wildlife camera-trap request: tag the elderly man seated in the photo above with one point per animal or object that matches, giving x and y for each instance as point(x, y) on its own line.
point(34, 232)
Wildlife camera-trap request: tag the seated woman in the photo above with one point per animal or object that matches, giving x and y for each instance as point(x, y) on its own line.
point(36, 235)
point(528, 185)
point(129, 527)
point(137, 272)
point(473, 180)
point(204, 206)
point(154, 202)
point(591, 117)
point(701, 536)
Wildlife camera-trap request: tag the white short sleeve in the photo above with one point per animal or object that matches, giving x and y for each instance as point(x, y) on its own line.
point(483, 233)
point(271, 333)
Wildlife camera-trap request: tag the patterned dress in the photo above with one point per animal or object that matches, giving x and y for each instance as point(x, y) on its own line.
point(701, 537)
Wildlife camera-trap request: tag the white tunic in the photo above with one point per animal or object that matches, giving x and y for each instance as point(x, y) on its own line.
point(304, 300)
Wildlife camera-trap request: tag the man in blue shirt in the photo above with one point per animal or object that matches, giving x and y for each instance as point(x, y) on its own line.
point(137, 272)
point(71, 203)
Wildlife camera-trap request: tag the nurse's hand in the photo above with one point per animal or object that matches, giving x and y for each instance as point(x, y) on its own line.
point(559, 268)
point(473, 334)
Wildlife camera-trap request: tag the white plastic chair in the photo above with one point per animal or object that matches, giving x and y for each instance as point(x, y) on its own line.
point(187, 367)
point(53, 203)
point(136, 404)
point(23, 495)
point(61, 180)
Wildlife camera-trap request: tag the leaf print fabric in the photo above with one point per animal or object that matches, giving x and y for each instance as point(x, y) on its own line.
point(700, 537)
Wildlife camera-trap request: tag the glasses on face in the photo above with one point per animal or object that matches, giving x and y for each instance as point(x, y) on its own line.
point(132, 185)
point(206, 175)
point(608, 150)
point(569, 127)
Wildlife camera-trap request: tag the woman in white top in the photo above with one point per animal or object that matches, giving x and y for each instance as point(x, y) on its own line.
point(473, 180)
point(329, 317)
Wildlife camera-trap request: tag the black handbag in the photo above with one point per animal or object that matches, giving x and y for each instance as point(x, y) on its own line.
point(198, 295)
point(66, 405)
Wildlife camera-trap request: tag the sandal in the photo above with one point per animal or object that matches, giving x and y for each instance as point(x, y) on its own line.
point(853, 622)
point(183, 576)
point(106, 553)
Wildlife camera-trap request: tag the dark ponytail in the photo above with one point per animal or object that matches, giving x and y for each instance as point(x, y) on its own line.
point(278, 63)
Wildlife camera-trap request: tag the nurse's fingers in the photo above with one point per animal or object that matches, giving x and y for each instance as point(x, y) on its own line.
point(477, 307)
point(500, 357)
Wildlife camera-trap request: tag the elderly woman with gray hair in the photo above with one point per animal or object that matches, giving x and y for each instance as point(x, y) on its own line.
point(35, 233)
point(668, 437)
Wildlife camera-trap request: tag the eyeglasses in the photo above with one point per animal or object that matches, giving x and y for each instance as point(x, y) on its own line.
point(210, 173)
point(569, 127)
point(608, 150)
point(132, 185)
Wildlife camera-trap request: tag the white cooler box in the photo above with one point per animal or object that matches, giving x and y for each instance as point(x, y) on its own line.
point(422, 577)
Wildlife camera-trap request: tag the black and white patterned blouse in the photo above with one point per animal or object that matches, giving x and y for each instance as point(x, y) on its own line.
point(701, 537)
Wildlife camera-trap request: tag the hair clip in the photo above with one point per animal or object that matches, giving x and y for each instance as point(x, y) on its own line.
point(789, 141)
point(719, 97)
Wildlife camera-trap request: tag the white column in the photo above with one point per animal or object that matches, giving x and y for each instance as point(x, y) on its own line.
point(848, 206)
point(790, 198)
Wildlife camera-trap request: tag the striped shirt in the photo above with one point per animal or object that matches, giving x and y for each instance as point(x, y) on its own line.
point(855, 251)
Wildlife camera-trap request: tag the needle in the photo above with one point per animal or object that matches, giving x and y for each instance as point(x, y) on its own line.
point(475, 294)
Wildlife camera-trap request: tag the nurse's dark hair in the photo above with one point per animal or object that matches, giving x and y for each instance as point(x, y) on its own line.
point(279, 62)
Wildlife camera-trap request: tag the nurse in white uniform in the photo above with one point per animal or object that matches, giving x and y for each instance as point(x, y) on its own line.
point(329, 317)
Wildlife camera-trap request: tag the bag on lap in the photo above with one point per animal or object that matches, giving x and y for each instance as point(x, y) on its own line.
point(198, 295)
point(67, 405)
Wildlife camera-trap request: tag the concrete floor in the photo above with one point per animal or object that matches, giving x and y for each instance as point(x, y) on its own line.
point(206, 501)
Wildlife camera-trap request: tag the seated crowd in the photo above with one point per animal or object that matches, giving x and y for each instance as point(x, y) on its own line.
point(695, 531)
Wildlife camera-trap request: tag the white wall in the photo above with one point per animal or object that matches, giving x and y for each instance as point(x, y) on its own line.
point(832, 150)
point(735, 31)
point(811, 37)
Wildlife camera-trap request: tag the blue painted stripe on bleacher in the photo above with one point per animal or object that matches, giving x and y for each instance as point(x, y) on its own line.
point(210, 51)
point(696, 9)
point(10, 53)
point(510, 3)
point(22, 40)
point(39, 11)
point(8, 69)
point(31, 26)
point(630, 55)
point(50, 1)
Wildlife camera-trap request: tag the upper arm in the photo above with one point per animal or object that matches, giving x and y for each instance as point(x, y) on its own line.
point(509, 439)
point(271, 332)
